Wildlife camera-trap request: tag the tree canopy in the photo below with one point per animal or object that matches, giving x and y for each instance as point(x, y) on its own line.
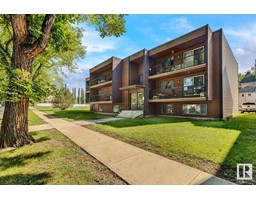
point(65, 49)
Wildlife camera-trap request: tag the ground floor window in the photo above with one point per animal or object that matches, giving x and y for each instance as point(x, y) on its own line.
point(167, 109)
point(100, 108)
point(92, 108)
point(194, 109)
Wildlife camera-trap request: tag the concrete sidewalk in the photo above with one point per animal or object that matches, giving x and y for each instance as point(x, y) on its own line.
point(134, 165)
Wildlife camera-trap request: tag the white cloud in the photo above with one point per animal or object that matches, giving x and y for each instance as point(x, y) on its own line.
point(95, 43)
point(178, 25)
point(244, 47)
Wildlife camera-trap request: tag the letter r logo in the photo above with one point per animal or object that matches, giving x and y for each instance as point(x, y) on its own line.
point(244, 171)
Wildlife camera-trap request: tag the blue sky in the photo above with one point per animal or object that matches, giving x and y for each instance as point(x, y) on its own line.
point(148, 31)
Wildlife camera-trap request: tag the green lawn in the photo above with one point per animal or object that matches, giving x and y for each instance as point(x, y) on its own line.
point(212, 146)
point(53, 159)
point(33, 119)
point(72, 114)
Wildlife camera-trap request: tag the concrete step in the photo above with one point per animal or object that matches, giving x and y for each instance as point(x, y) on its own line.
point(130, 113)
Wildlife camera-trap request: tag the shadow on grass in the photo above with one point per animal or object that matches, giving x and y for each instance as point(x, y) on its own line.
point(24, 179)
point(19, 160)
point(75, 115)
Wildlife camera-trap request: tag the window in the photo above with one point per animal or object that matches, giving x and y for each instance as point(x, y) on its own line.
point(194, 109)
point(194, 86)
point(100, 108)
point(167, 85)
point(242, 95)
point(249, 95)
point(167, 109)
point(141, 79)
point(193, 57)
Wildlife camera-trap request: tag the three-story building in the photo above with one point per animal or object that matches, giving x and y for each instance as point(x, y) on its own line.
point(194, 75)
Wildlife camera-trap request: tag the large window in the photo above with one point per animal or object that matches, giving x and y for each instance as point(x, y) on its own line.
point(167, 85)
point(167, 109)
point(193, 57)
point(194, 86)
point(194, 109)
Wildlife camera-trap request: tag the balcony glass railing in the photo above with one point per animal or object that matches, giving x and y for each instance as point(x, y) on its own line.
point(179, 92)
point(101, 79)
point(172, 64)
point(101, 97)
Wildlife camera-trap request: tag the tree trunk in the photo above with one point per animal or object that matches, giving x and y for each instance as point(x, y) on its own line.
point(14, 130)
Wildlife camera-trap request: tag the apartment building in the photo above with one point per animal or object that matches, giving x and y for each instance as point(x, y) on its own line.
point(194, 75)
point(87, 90)
point(104, 85)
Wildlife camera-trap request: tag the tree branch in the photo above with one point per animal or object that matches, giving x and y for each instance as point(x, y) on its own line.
point(32, 50)
point(7, 57)
point(35, 75)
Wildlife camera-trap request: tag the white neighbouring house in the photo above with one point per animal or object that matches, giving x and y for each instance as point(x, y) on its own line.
point(247, 93)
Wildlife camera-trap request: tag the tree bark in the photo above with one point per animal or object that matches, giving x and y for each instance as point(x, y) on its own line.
point(14, 128)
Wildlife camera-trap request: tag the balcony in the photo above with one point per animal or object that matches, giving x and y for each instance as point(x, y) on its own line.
point(101, 80)
point(185, 93)
point(172, 65)
point(103, 98)
point(137, 81)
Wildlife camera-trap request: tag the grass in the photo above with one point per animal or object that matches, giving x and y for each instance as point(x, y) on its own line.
point(212, 146)
point(33, 119)
point(72, 114)
point(53, 159)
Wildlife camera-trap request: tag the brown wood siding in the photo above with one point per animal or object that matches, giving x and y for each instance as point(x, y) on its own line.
point(210, 66)
point(229, 80)
point(183, 39)
point(136, 55)
point(134, 73)
point(101, 65)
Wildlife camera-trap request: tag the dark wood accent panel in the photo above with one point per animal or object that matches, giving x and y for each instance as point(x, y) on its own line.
point(125, 72)
point(214, 105)
point(134, 73)
point(116, 81)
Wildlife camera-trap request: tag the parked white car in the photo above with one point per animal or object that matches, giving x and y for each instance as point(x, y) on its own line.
point(248, 107)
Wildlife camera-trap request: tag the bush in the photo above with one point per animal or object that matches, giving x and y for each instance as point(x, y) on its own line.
point(63, 98)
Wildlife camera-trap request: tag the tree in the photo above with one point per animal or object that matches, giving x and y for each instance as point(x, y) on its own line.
point(63, 98)
point(23, 39)
point(82, 96)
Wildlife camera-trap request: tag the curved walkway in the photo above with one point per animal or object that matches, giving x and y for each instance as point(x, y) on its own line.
point(134, 165)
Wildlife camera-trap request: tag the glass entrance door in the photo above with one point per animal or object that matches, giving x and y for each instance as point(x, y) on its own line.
point(137, 101)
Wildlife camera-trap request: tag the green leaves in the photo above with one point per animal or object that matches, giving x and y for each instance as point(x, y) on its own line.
point(108, 24)
point(65, 49)
point(63, 98)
